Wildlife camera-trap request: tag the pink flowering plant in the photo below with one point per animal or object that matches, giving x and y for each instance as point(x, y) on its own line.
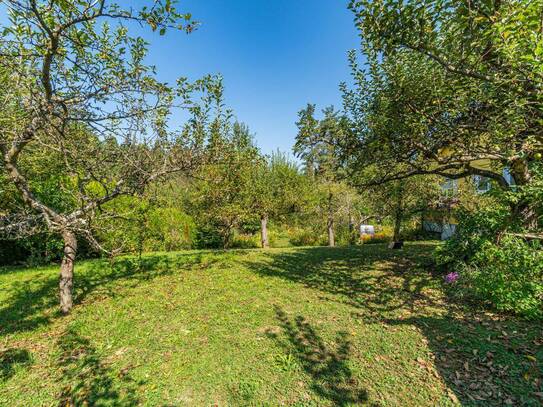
point(452, 277)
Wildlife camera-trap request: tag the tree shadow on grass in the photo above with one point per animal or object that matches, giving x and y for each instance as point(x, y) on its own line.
point(10, 360)
point(484, 359)
point(34, 303)
point(331, 378)
point(343, 272)
point(86, 380)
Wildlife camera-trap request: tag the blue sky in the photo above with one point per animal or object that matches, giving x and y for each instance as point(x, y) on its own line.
point(274, 55)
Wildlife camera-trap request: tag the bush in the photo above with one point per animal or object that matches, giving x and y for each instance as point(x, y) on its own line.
point(304, 237)
point(279, 237)
point(12, 252)
point(416, 233)
point(379, 237)
point(169, 229)
point(507, 274)
point(245, 241)
point(208, 237)
point(472, 232)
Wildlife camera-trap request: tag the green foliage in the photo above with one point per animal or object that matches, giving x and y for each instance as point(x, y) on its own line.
point(506, 271)
point(304, 237)
point(440, 91)
point(316, 141)
point(509, 275)
point(32, 251)
point(278, 235)
point(221, 195)
point(474, 229)
point(277, 186)
point(140, 323)
point(208, 236)
point(170, 229)
point(414, 233)
point(244, 241)
point(379, 237)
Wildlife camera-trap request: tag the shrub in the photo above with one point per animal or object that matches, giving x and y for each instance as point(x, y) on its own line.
point(473, 230)
point(208, 237)
point(245, 241)
point(303, 237)
point(380, 237)
point(279, 237)
point(416, 233)
point(509, 275)
point(169, 229)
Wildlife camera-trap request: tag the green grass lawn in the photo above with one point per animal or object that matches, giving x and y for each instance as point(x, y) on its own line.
point(297, 326)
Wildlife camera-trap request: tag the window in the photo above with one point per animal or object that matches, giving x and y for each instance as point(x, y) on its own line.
point(508, 177)
point(450, 187)
point(482, 184)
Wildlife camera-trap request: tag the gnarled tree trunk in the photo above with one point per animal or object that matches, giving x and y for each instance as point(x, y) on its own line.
point(264, 231)
point(523, 211)
point(67, 272)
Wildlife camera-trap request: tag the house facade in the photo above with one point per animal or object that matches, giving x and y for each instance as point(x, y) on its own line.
point(441, 220)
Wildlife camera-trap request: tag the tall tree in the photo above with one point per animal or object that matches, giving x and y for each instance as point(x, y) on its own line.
point(276, 187)
point(74, 84)
point(316, 146)
point(222, 196)
point(462, 78)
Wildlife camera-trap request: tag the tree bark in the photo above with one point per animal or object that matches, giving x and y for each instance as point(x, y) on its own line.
point(67, 272)
point(398, 216)
point(523, 211)
point(264, 231)
point(331, 238)
point(352, 235)
point(397, 226)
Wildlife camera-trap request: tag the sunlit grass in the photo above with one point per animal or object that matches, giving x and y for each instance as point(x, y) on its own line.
point(297, 326)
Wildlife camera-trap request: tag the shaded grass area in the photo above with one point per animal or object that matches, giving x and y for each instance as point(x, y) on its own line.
point(297, 326)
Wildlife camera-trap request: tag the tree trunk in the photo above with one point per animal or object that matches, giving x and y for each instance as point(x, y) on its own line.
point(523, 212)
point(331, 239)
point(397, 226)
point(264, 231)
point(352, 235)
point(67, 272)
point(398, 215)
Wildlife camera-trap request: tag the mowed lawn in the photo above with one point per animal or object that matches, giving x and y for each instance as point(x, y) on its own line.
point(301, 327)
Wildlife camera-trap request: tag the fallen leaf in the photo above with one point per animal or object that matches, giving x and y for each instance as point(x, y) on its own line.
point(453, 397)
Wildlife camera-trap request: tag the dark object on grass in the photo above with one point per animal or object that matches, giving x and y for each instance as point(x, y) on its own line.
point(395, 245)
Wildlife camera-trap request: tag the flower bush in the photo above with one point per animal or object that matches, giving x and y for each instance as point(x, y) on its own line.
point(380, 237)
point(505, 272)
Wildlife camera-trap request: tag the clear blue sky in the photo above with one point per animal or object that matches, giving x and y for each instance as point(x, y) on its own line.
point(274, 55)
